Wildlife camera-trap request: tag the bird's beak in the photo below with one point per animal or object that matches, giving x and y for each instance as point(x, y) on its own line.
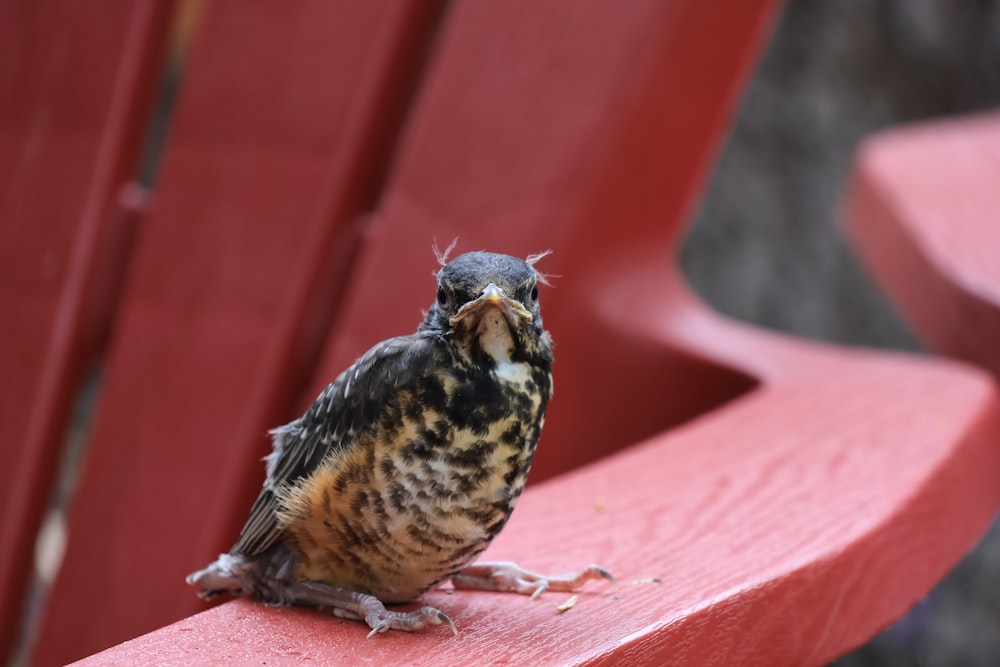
point(492, 296)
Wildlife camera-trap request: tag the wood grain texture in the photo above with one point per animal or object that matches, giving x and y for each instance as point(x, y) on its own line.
point(75, 90)
point(793, 499)
point(922, 212)
point(278, 142)
point(786, 528)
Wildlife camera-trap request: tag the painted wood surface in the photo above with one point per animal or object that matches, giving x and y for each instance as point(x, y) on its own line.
point(786, 527)
point(75, 92)
point(792, 499)
point(922, 211)
point(279, 137)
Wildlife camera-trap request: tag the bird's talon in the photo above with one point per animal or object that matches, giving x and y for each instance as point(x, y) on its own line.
point(539, 589)
point(378, 628)
point(443, 618)
point(607, 575)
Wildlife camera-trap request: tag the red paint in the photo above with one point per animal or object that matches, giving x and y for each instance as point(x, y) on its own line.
point(793, 498)
point(75, 91)
point(922, 211)
point(279, 139)
point(787, 527)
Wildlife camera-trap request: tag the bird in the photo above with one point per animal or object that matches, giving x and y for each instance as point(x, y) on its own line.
point(409, 463)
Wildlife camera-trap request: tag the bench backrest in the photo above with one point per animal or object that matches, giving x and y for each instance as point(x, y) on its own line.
point(315, 153)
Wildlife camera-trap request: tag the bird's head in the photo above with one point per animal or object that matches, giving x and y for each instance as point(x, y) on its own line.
point(487, 306)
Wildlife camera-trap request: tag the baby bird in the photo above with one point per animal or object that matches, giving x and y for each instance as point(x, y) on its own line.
point(406, 466)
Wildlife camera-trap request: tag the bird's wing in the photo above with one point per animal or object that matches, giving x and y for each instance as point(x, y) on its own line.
point(349, 405)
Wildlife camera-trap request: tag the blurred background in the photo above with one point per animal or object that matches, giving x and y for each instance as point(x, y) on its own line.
point(765, 246)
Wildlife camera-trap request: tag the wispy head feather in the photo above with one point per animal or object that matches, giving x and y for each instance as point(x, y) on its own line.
point(543, 278)
point(442, 256)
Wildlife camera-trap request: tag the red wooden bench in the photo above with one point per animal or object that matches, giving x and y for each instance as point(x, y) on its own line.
point(924, 213)
point(793, 498)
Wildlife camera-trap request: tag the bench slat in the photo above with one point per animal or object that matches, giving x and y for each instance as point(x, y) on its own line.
point(75, 92)
point(277, 146)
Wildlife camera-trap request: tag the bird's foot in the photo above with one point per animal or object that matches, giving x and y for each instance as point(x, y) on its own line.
point(225, 575)
point(510, 577)
point(367, 608)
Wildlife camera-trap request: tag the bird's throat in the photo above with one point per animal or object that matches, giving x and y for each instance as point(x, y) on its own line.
point(489, 339)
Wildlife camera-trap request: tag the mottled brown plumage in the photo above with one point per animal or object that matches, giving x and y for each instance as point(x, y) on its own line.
point(409, 463)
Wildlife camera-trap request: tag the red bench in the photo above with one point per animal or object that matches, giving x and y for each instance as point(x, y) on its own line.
point(923, 213)
point(793, 498)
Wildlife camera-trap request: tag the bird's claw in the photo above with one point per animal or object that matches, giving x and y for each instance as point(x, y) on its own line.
point(368, 608)
point(378, 628)
point(382, 620)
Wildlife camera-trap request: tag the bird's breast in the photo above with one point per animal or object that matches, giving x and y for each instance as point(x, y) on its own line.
point(427, 488)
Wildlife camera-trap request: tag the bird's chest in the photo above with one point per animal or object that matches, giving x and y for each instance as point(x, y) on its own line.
point(462, 460)
point(434, 483)
point(452, 485)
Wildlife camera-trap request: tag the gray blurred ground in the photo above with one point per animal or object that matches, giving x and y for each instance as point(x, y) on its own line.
point(765, 246)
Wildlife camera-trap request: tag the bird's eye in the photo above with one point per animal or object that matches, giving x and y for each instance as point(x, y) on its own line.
point(534, 293)
point(442, 297)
